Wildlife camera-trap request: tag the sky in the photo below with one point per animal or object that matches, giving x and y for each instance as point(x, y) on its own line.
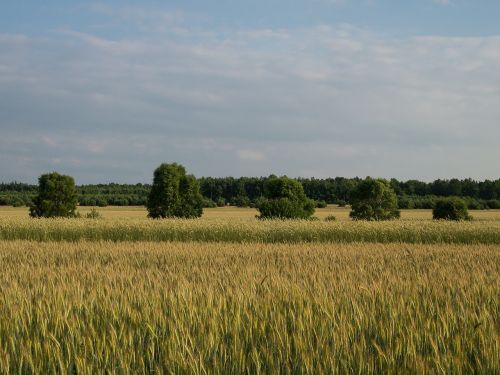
point(106, 91)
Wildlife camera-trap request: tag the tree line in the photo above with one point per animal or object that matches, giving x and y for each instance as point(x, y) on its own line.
point(176, 194)
point(246, 191)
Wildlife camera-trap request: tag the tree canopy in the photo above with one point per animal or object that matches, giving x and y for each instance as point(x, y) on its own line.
point(374, 199)
point(56, 196)
point(174, 193)
point(284, 198)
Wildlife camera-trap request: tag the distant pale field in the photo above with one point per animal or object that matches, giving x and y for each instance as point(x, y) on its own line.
point(226, 308)
point(341, 213)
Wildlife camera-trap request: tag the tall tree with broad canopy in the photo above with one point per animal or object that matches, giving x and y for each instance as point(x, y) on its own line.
point(174, 193)
point(284, 198)
point(56, 196)
point(374, 199)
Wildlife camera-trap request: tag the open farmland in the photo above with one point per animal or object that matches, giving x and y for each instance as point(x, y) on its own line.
point(248, 308)
point(239, 225)
point(235, 213)
point(231, 294)
point(246, 231)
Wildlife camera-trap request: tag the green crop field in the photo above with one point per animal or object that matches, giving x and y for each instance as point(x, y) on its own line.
point(228, 293)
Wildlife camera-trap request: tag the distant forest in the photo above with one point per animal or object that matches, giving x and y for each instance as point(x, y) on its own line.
point(245, 191)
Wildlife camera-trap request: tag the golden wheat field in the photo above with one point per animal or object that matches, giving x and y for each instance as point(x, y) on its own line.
point(231, 294)
point(101, 307)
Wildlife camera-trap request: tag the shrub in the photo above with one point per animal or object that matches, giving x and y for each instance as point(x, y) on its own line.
point(100, 202)
point(221, 202)
point(474, 204)
point(427, 202)
point(374, 199)
point(452, 208)
point(493, 204)
point(341, 203)
point(241, 201)
point(284, 198)
point(174, 194)
point(208, 203)
point(56, 196)
point(93, 214)
point(321, 204)
point(330, 218)
point(405, 202)
point(18, 202)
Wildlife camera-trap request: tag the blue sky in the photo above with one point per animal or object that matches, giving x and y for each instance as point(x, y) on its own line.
point(105, 91)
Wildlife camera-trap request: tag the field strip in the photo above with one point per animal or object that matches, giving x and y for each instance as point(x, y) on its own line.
point(275, 231)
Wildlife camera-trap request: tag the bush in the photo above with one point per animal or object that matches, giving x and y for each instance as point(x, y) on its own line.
point(174, 194)
point(208, 203)
point(93, 214)
point(330, 218)
point(241, 201)
point(342, 203)
point(426, 203)
point(100, 202)
point(475, 204)
point(452, 208)
point(56, 196)
point(493, 204)
point(17, 202)
point(321, 204)
point(284, 198)
point(221, 202)
point(374, 199)
point(404, 202)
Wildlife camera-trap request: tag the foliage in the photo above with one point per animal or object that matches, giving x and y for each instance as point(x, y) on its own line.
point(452, 208)
point(56, 196)
point(174, 194)
point(241, 201)
point(493, 204)
point(374, 199)
point(321, 204)
point(284, 198)
point(336, 190)
point(208, 203)
point(330, 218)
point(93, 214)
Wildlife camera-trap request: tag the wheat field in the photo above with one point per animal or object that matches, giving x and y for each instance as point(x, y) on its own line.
point(231, 294)
point(239, 214)
point(102, 307)
point(265, 231)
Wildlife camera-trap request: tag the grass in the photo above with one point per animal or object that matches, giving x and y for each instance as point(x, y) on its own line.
point(275, 231)
point(101, 307)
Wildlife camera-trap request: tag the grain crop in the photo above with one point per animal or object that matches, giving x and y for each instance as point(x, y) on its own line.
point(198, 308)
point(268, 231)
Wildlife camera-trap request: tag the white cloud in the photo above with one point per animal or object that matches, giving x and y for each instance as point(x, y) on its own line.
point(336, 100)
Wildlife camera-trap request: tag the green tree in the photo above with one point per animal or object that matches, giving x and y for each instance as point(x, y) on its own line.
point(56, 196)
point(174, 194)
point(284, 198)
point(452, 208)
point(374, 199)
